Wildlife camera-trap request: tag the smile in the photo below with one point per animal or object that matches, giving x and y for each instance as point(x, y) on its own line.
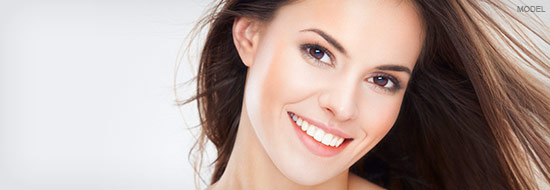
point(317, 133)
point(318, 138)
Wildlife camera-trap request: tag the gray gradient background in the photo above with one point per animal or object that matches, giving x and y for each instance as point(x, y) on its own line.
point(86, 99)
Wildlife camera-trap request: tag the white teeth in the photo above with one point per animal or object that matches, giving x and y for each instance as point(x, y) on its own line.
point(340, 141)
point(317, 133)
point(311, 130)
point(333, 142)
point(305, 125)
point(326, 139)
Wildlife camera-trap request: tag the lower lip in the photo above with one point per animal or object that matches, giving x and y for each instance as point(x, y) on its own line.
point(317, 147)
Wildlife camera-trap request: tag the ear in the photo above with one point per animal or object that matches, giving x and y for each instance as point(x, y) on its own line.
point(245, 38)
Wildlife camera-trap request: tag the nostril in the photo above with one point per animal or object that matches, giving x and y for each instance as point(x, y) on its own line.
point(329, 111)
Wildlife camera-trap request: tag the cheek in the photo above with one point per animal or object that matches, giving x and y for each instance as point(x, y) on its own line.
point(379, 114)
point(278, 78)
point(269, 87)
point(276, 84)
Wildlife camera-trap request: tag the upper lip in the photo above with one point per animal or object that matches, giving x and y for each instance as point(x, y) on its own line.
point(325, 128)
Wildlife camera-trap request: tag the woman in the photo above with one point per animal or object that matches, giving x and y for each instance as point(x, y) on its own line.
point(355, 94)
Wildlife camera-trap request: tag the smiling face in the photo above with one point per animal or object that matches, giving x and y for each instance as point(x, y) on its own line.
point(326, 82)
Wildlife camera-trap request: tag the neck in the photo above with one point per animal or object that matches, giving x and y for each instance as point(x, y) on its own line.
point(250, 167)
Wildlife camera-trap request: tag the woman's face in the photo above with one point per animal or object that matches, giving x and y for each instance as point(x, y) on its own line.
point(326, 82)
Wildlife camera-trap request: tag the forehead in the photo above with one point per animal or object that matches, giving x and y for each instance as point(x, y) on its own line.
point(376, 30)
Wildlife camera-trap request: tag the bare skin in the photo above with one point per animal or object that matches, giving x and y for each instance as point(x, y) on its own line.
point(249, 170)
point(344, 64)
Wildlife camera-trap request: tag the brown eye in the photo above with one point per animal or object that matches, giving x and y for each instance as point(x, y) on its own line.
point(316, 53)
point(382, 81)
point(319, 54)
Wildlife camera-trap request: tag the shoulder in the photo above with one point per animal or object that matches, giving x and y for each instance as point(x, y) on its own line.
point(356, 182)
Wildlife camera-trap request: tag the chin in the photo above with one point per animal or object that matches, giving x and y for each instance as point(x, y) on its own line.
point(309, 179)
point(306, 172)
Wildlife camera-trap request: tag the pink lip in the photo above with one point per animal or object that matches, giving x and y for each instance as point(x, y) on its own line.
point(315, 146)
point(326, 128)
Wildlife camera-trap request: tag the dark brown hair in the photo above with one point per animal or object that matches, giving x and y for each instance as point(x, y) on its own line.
point(475, 114)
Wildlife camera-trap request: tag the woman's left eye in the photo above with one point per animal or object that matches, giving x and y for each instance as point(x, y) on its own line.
point(318, 53)
point(382, 81)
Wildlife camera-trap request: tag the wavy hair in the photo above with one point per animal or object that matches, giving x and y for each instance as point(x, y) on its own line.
point(475, 114)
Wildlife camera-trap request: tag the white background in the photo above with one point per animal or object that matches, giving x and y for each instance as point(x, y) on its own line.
point(86, 98)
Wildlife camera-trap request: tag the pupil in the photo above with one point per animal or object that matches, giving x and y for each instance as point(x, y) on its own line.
point(382, 81)
point(317, 53)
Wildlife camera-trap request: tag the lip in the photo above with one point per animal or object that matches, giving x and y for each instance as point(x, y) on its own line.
point(315, 146)
point(325, 127)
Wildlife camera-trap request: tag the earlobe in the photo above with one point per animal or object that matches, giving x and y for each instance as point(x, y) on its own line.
point(245, 38)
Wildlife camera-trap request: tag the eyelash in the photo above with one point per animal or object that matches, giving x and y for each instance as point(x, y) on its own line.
point(306, 48)
point(396, 85)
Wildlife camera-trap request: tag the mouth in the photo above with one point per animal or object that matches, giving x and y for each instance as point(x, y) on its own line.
point(318, 138)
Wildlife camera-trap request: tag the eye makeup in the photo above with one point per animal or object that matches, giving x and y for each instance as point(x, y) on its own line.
point(385, 81)
point(321, 56)
point(318, 54)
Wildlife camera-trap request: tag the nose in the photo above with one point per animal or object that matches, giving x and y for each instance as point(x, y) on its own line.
point(340, 101)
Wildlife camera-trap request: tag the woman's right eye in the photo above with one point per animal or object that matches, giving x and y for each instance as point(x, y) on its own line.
point(318, 53)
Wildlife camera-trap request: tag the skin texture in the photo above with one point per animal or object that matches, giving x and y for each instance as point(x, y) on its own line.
point(337, 90)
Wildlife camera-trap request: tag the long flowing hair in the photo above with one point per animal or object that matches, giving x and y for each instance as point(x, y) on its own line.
point(475, 114)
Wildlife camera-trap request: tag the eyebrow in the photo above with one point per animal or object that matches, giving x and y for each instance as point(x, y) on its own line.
point(340, 48)
point(394, 68)
point(328, 38)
